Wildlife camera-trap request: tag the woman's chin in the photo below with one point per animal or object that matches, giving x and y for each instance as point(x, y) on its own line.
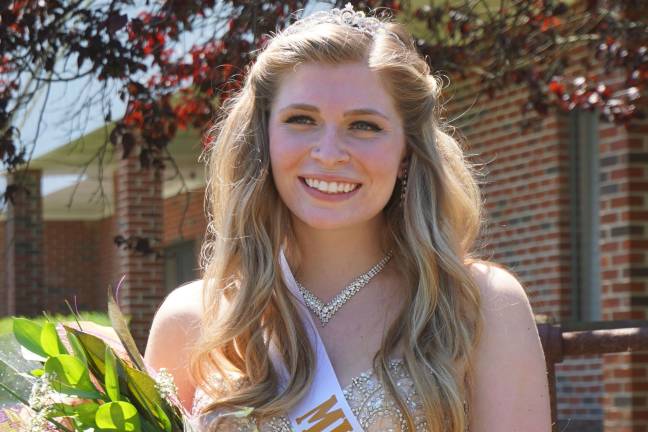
point(321, 222)
point(337, 221)
point(328, 225)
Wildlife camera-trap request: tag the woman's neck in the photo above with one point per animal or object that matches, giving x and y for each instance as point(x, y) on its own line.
point(331, 259)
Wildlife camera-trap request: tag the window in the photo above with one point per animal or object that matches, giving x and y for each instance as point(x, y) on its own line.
point(584, 194)
point(179, 264)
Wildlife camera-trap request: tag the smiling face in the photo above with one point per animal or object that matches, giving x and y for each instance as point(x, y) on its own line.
point(336, 144)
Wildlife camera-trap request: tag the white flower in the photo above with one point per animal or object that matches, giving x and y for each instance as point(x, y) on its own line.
point(38, 422)
point(165, 385)
point(42, 394)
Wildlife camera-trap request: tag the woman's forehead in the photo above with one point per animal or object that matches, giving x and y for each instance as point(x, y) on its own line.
point(352, 85)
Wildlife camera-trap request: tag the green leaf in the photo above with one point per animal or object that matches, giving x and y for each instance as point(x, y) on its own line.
point(77, 348)
point(111, 379)
point(37, 372)
point(147, 426)
point(83, 413)
point(71, 376)
point(118, 416)
point(118, 323)
point(142, 388)
point(28, 334)
point(86, 413)
point(50, 341)
point(94, 349)
point(138, 386)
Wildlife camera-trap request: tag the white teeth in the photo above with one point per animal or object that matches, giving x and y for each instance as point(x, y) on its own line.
point(331, 187)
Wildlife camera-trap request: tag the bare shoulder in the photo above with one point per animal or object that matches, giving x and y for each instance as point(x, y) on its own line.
point(497, 285)
point(185, 301)
point(505, 305)
point(178, 316)
point(510, 381)
point(174, 331)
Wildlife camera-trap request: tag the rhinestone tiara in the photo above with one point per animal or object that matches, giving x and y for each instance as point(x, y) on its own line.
point(346, 17)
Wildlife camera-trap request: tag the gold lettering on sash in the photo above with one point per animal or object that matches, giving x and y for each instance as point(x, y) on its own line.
point(321, 417)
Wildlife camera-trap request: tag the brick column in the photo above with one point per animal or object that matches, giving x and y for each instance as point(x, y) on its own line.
point(23, 242)
point(139, 213)
point(624, 268)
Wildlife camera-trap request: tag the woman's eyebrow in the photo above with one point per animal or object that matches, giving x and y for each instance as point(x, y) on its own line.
point(365, 111)
point(359, 111)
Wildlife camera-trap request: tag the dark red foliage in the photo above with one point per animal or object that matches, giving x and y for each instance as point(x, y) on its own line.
point(530, 43)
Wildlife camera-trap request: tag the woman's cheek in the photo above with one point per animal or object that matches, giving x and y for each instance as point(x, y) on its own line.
point(285, 161)
point(379, 159)
point(284, 147)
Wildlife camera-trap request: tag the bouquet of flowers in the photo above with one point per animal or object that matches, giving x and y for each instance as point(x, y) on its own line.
point(83, 382)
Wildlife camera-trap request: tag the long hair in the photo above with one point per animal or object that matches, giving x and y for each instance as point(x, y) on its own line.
point(432, 234)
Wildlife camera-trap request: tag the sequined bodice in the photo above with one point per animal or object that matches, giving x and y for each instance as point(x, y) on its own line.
point(374, 407)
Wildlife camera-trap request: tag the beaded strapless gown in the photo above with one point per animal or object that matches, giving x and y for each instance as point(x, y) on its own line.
point(373, 406)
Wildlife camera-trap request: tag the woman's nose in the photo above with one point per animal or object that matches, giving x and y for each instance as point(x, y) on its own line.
point(329, 149)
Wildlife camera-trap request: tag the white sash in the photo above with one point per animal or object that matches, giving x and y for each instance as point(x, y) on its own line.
point(324, 407)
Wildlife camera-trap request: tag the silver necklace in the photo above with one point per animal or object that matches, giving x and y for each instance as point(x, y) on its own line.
point(325, 311)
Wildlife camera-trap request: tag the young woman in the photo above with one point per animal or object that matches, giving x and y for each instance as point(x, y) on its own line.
point(339, 289)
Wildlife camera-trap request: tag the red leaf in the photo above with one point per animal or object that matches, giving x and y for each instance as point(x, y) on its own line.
point(557, 88)
point(148, 48)
point(549, 23)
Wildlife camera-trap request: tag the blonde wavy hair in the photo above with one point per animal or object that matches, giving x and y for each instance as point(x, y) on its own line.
point(432, 236)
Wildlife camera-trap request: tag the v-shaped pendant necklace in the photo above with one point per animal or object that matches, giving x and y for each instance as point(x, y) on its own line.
point(325, 311)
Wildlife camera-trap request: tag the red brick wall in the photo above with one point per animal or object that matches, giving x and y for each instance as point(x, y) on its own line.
point(79, 260)
point(579, 394)
point(72, 261)
point(624, 290)
point(108, 272)
point(186, 209)
point(80, 257)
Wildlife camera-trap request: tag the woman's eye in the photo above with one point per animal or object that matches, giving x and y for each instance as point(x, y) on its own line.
point(367, 126)
point(300, 119)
